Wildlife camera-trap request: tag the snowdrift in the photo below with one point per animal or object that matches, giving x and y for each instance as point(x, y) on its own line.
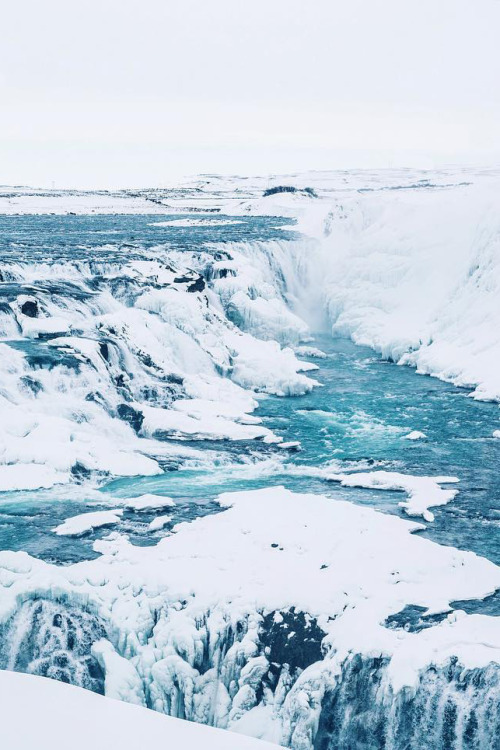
point(47, 714)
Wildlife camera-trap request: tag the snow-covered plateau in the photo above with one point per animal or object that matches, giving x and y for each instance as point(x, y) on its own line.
point(208, 457)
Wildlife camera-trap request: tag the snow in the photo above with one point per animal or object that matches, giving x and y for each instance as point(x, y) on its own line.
point(423, 492)
point(415, 274)
point(415, 435)
point(310, 351)
point(30, 476)
point(42, 713)
point(33, 327)
point(349, 566)
point(81, 524)
point(149, 502)
point(201, 426)
point(31, 201)
point(404, 261)
point(196, 222)
point(159, 523)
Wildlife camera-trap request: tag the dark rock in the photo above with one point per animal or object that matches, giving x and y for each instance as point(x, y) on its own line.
point(293, 638)
point(195, 285)
point(34, 385)
point(104, 350)
point(198, 285)
point(79, 471)
point(30, 308)
point(134, 417)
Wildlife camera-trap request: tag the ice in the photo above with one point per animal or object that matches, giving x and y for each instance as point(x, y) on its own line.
point(415, 435)
point(159, 523)
point(149, 502)
point(415, 274)
point(196, 222)
point(112, 363)
point(203, 425)
point(310, 351)
point(81, 524)
point(423, 492)
point(405, 262)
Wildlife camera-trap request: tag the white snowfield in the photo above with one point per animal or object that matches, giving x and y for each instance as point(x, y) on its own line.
point(348, 566)
point(65, 716)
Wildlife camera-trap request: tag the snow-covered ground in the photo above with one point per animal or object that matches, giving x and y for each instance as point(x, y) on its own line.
point(43, 714)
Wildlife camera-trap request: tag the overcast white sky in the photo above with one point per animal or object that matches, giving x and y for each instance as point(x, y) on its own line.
point(112, 93)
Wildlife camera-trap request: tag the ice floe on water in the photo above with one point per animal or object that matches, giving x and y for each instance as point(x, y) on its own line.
point(423, 492)
point(415, 435)
point(81, 524)
point(159, 522)
point(149, 502)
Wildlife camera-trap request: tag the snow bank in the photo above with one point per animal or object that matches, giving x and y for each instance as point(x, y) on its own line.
point(37, 712)
point(29, 476)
